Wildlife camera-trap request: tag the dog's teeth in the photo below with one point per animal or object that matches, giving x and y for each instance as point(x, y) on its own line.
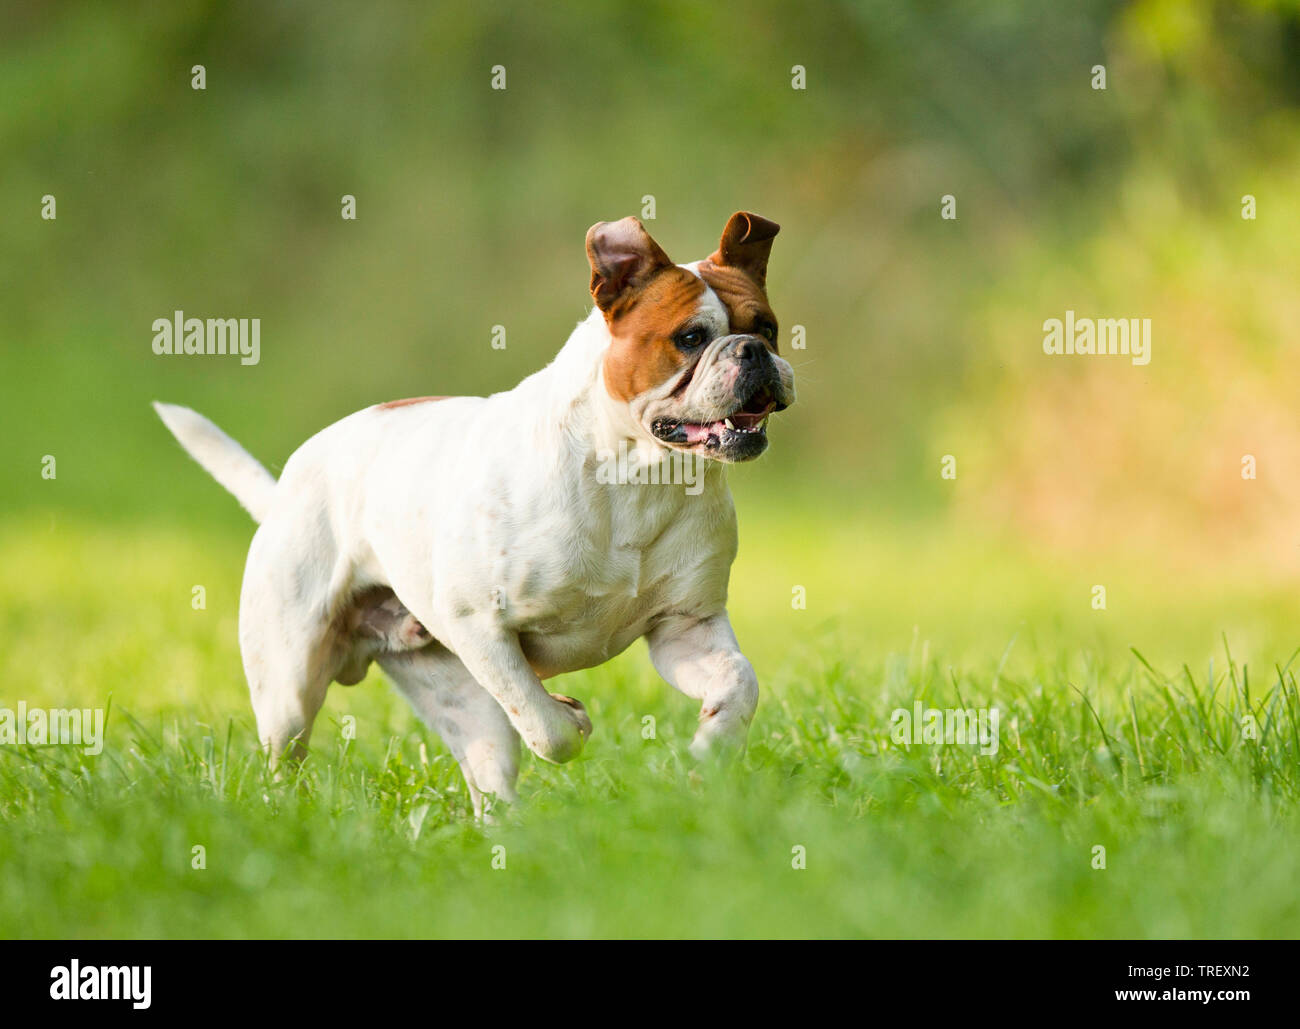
point(727, 423)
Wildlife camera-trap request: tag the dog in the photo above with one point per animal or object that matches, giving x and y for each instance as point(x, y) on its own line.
point(472, 547)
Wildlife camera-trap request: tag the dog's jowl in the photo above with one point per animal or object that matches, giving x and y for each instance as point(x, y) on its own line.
point(474, 547)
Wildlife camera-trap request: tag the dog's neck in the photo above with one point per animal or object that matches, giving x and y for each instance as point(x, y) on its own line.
point(570, 394)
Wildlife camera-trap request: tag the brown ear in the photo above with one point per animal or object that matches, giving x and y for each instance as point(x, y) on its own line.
point(623, 257)
point(746, 242)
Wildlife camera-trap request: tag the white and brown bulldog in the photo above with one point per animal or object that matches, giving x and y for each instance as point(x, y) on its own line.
point(472, 546)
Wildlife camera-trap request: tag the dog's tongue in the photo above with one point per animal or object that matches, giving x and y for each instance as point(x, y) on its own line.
point(700, 433)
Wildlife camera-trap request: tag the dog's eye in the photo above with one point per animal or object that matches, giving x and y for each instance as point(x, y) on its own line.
point(768, 331)
point(689, 339)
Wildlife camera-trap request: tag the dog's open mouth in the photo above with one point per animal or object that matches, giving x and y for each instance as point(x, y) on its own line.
point(750, 419)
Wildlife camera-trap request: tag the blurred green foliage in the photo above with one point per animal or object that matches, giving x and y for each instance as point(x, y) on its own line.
point(472, 203)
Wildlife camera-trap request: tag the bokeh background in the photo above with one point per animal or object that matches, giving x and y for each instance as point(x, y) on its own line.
point(924, 335)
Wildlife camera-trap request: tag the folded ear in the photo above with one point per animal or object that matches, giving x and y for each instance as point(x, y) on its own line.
point(623, 257)
point(746, 243)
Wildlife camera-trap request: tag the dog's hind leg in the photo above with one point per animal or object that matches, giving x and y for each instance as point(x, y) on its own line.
point(287, 688)
point(285, 708)
point(288, 646)
point(465, 715)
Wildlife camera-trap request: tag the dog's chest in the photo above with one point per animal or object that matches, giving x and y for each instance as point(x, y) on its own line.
point(616, 571)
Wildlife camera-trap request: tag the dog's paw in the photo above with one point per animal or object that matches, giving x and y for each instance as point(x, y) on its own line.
point(565, 734)
point(580, 713)
point(718, 743)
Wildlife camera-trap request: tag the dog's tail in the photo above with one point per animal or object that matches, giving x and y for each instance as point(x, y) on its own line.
point(225, 460)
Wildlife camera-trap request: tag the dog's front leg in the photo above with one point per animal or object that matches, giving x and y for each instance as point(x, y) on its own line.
point(700, 657)
point(552, 727)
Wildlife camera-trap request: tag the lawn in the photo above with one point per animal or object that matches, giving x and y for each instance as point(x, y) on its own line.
point(1119, 729)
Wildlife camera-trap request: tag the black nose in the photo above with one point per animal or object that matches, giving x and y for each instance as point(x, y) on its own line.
point(751, 351)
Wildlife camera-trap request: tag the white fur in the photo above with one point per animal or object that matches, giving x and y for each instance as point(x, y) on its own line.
point(226, 461)
point(487, 519)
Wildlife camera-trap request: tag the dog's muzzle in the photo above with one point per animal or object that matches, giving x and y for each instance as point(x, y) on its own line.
point(742, 387)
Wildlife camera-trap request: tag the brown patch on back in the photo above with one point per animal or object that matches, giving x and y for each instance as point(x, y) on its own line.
point(744, 299)
point(643, 354)
point(388, 405)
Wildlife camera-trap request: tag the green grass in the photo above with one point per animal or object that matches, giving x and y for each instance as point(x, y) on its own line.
point(1098, 748)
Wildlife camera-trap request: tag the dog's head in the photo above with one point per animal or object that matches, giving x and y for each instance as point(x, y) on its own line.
point(693, 348)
